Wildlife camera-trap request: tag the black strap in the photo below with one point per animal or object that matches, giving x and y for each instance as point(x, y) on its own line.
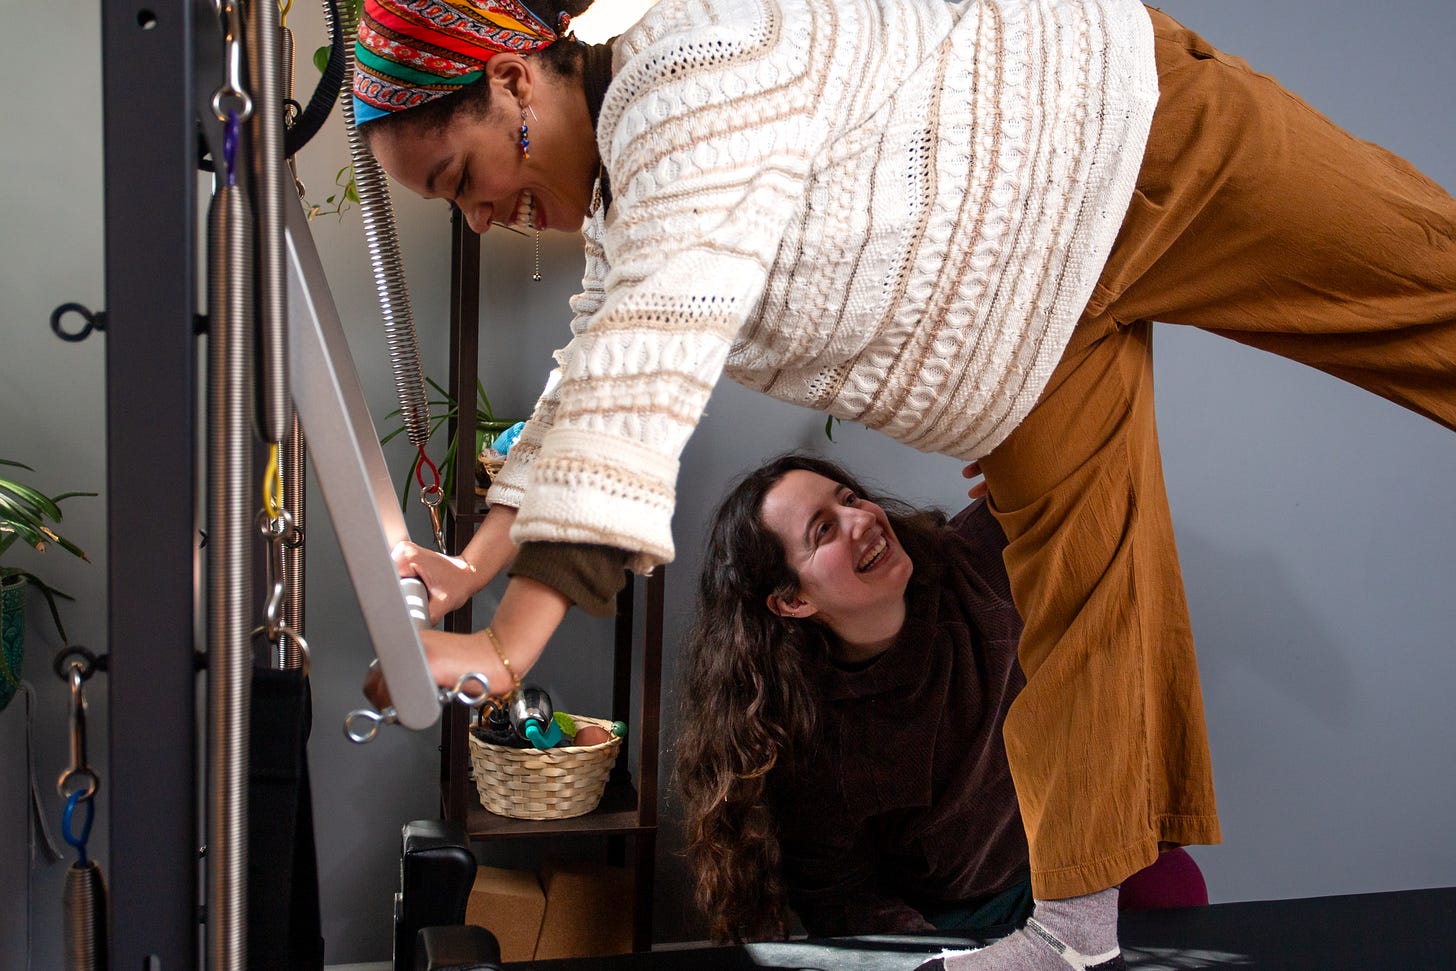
point(284, 926)
point(325, 92)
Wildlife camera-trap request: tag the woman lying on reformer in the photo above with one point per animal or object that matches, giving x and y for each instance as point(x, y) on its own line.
point(845, 681)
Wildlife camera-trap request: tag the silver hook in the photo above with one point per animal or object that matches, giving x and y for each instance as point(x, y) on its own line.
point(432, 496)
point(79, 768)
point(274, 530)
point(232, 86)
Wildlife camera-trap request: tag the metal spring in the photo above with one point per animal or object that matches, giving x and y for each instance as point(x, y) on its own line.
point(389, 278)
point(266, 128)
point(84, 901)
point(230, 600)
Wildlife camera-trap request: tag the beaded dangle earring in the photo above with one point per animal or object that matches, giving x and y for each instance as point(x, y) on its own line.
point(525, 154)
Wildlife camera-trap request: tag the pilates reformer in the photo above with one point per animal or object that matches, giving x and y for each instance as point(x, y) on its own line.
point(1406, 930)
point(161, 62)
point(173, 69)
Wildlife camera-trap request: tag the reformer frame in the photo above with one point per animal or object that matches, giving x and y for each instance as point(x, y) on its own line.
point(150, 75)
point(156, 75)
point(160, 62)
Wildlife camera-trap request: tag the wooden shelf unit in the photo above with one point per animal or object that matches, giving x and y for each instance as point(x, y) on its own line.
point(629, 806)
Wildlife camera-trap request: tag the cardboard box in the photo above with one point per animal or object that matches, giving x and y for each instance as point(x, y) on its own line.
point(510, 904)
point(588, 910)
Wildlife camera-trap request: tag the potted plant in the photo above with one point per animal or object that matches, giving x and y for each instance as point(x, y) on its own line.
point(487, 428)
point(24, 514)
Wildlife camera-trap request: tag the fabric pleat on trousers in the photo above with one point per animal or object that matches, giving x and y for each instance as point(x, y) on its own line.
point(1258, 219)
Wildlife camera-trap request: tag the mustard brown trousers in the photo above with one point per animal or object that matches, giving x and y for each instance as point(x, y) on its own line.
point(1258, 219)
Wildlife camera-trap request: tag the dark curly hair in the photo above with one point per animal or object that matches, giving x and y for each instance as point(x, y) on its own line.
point(747, 703)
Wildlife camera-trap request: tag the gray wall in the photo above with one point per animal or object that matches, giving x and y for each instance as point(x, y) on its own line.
point(1313, 518)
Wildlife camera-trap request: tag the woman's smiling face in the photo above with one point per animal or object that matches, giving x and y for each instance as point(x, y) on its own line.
point(475, 161)
point(851, 568)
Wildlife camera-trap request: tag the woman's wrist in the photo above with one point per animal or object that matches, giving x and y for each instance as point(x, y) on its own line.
point(460, 661)
point(509, 646)
point(512, 677)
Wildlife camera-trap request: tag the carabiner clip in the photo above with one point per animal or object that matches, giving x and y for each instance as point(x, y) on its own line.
point(79, 769)
point(432, 496)
point(276, 531)
point(232, 86)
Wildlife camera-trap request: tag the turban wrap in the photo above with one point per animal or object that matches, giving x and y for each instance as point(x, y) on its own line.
point(411, 52)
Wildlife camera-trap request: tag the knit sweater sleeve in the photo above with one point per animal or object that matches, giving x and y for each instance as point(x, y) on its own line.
point(708, 131)
point(508, 486)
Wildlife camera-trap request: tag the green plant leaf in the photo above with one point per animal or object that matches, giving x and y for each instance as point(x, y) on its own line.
point(443, 410)
point(72, 495)
point(70, 547)
point(23, 514)
point(482, 402)
point(22, 520)
point(38, 501)
point(50, 594)
point(20, 531)
point(321, 59)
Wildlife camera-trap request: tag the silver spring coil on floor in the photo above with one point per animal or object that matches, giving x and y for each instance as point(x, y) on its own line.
point(229, 573)
point(384, 256)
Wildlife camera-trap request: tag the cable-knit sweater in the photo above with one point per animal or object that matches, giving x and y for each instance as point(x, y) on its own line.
point(890, 210)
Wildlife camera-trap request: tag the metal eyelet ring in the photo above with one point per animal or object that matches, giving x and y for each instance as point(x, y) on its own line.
point(86, 774)
point(370, 720)
point(62, 664)
point(304, 657)
point(94, 322)
point(471, 699)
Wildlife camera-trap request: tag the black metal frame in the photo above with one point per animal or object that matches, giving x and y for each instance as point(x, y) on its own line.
point(160, 63)
point(149, 73)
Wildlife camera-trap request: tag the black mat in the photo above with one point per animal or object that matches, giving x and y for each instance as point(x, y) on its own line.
point(1407, 931)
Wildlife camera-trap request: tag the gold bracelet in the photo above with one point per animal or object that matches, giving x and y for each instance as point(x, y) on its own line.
point(495, 643)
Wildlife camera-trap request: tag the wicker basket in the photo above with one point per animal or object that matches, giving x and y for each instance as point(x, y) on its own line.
point(554, 783)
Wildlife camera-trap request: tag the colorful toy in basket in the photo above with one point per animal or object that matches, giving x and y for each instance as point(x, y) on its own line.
point(532, 762)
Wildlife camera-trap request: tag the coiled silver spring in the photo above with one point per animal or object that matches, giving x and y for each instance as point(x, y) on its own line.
point(266, 126)
point(383, 241)
point(230, 410)
point(84, 902)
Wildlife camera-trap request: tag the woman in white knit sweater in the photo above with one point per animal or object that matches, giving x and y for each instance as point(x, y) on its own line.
point(953, 223)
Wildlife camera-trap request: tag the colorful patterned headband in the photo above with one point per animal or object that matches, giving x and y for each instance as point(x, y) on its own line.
point(411, 52)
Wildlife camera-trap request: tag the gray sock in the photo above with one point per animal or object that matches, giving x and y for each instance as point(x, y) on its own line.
point(1077, 932)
